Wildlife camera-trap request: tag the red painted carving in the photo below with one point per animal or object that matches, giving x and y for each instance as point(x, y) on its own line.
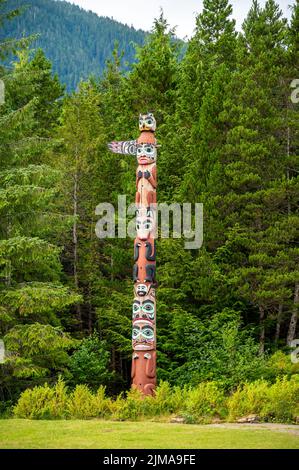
point(144, 271)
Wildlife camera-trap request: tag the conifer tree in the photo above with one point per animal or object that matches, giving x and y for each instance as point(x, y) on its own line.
point(250, 178)
point(31, 291)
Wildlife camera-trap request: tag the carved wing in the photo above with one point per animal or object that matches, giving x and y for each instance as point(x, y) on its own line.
point(128, 147)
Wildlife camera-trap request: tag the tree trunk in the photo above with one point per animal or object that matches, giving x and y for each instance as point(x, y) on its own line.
point(262, 331)
point(75, 243)
point(90, 315)
point(8, 274)
point(294, 316)
point(278, 323)
point(288, 172)
point(8, 263)
point(111, 265)
point(113, 361)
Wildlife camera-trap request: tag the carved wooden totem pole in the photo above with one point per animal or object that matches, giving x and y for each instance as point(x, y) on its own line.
point(144, 271)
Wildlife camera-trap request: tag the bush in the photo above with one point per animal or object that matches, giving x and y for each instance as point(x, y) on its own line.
point(89, 364)
point(129, 408)
point(282, 404)
point(223, 351)
point(6, 409)
point(43, 402)
point(277, 402)
point(204, 402)
point(248, 399)
point(272, 402)
point(83, 404)
point(167, 400)
point(279, 365)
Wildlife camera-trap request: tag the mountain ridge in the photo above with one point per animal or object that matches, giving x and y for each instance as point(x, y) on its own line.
point(78, 42)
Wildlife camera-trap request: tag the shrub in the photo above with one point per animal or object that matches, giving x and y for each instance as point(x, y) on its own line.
point(89, 364)
point(272, 402)
point(103, 404)
point(279, 365)
point(282, 403)
point(223, 351)
point(6, 409)
point(164, 401)
point(204, 402)
point(248, 399)
point(115, 407)
point(81, 403)
point(43, 402)
point(277, 402)
point(129, 408)
point(58, 404)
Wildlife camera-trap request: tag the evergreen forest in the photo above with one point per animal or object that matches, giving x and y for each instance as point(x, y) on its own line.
point(76, 41)
point(227, 114)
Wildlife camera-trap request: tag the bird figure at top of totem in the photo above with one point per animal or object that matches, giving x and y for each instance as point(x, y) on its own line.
point(144, 148)
point(147, 122)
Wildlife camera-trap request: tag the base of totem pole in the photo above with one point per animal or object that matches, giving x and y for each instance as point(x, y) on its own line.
point(144, 372)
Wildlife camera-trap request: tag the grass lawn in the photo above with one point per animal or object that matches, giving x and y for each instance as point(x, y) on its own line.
point(97, 434)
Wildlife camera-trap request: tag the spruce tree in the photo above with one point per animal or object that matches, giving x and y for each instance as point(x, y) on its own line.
point(250, 176)
point(31, 288)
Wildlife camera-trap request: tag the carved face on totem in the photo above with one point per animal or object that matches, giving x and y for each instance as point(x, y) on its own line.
point(144, 317)
point(143, 335)
point(146, 154)
point(145, 223)
point(141, 290)
point(144, 309)
point(147, 122)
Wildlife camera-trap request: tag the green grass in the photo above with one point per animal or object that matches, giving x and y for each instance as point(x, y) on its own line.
point(98, 434)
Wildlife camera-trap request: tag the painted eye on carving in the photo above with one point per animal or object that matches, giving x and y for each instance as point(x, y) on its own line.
point(135, 333)
point(150, 149)
point(139, 151)
point(148, 333)
point(136, 308)
point(147, 225)
point(149, 122)
point(148, 307)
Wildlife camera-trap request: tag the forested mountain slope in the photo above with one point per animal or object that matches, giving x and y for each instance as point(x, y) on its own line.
point(76, 41)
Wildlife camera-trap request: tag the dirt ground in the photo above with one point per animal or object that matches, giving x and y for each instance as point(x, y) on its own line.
point(288, 428)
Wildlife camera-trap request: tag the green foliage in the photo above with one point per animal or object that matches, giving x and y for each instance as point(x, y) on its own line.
point(271, 402)
point(220, 351)
point(90, 39)
point(34, 71)
point(83, 404)
point(227, 313)
point(9, 45)
point(130, 407)
point(32, 295)
point(89, 363)
point(36, 350)
point(43, 402)
point(279, 365)
point(277, 402)
point(204, 402)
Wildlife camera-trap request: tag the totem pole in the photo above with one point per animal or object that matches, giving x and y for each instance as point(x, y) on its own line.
point(144, 271)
